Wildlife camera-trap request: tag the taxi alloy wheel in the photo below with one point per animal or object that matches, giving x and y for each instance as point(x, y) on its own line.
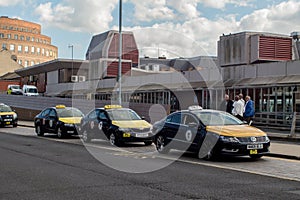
point(114, 140)
point(160, 144)
point(85, 136)
point(38, 130)
point(60, 134)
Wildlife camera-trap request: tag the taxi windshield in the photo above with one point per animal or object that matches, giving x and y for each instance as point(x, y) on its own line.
point(69, 112)
point(123, 114)
point(32, 90)
point(5, 108)
point(17, 87)
point(210, 118)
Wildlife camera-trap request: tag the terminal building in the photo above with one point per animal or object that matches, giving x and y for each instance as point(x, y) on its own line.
point(262, 65)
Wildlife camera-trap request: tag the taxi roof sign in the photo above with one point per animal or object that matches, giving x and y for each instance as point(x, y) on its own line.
point(112, 106)
point(196, 107)
point(60, 106)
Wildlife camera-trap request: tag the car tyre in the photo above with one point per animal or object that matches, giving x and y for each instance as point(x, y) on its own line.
point(160, 144)
point(148, 143)
point(15, 125)
point(85, 137)
point(38, 130)
point(113, 140)
point(60, 133)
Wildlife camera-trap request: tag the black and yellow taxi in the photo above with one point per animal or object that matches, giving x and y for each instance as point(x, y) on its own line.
point(210, 134)
point(8, 116)
point(117, 124)
point(60, 120)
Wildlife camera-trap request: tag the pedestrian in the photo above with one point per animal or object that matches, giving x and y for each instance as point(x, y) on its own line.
point(238, 108)
point(227, 104)
point(241, 97)
point(249, 110)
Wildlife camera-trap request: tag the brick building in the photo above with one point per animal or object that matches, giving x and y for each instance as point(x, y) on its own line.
point(24, 40)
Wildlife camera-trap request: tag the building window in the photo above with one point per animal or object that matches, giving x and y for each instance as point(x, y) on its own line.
point(51, 53)
point(20, 62)
point(22, 37)
point(43, 52)
point(37, 40)
point(27, 38)
point(26, 49)
point(32, 63)
point(11, 28)
point(47, 53)
point(16, 37)
point(19, 48)
point(38, 50)
point(1, 35)
point(4, 46)
point(12, 47)
point(8, 36)
point(26, 63)
point(32, 50)
point(32, 39)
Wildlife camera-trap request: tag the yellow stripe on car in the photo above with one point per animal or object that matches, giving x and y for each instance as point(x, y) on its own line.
point(132, 124)
point(70, 120)
point(236, 131)
point(7, 113)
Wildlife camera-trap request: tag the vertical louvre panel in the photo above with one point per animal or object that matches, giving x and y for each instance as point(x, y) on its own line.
point(275, 49)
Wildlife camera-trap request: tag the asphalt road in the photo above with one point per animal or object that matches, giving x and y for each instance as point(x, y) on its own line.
point(44, 168)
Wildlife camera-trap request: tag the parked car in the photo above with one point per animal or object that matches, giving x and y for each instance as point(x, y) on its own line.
point(60, 120)
point(119, 125)
point(30, 90)
point(14, 89)
point(8, 116)
point(209, 133)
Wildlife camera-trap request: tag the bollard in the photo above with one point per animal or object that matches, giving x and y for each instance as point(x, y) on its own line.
point(292, 133)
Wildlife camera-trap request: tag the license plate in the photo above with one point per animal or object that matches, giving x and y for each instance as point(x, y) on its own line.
point(70, 131)
point(142, 135)
point(255, 146)
point(253, 151)
point(7, 120)
point(126, 134)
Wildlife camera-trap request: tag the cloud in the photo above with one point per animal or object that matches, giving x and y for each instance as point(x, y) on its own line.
point(281, 18)
point(94, 16)
point(222, 4)
point(6, 3)
point(187, 8)
point(152, 10)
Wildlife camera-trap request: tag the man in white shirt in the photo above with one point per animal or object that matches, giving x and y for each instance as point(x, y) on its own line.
point(238, 108)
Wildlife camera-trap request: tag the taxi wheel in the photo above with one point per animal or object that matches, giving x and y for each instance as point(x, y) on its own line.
point(148, 143)
point(38, 130)
point(113, 140)
point(86, 138)
point(60, 134)
point(160, 145)
point(15, 125)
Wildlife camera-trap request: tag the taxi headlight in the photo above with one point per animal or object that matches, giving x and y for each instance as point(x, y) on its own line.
point(15, 116)
point(267, 139)
point(229, 139)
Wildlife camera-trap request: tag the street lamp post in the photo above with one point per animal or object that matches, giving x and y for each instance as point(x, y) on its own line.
point(71, 46)
point(120, 54)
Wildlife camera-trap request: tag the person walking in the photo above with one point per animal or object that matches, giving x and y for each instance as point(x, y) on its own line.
point(227, 104)
point(238, 108)
point(241, 97)
point(249, 110)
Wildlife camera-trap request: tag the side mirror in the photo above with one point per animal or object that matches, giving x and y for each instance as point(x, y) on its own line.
point(143, 118)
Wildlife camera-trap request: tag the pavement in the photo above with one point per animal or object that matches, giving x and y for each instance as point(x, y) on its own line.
point(282, 145)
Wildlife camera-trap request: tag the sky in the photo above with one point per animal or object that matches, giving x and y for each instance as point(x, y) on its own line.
point(171, 28)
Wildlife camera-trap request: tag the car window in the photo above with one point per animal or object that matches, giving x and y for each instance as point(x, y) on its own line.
point(69, 112)
point(102, 115)
point(5, 108)
point(52, 113)
point(217, 118)
point(175, 118)
point(189, 119)
point(45, 112)
point(92, 115)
